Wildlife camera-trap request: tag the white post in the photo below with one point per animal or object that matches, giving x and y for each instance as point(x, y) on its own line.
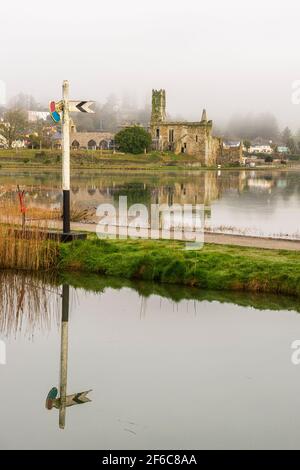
point(66, 158)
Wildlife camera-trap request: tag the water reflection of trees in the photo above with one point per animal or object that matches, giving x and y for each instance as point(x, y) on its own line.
point(199, 187)
point(31, 304)
point(27, 304)
point(98, 284)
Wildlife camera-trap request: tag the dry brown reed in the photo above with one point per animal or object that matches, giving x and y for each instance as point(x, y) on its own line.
point(27, 304)
point(25, 248)
point(10, 208)
point(34, 213)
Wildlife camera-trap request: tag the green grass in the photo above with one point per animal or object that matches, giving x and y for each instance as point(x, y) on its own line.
point(31, 159)
point(94, 158)
point(215, 267)
point(216, 272)
point(98, 284)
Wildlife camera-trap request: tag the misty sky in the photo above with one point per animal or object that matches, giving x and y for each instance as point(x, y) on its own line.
point(229, 56)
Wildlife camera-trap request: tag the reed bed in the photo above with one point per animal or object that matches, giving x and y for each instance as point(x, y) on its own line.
point(10, 209)
point(25, 247)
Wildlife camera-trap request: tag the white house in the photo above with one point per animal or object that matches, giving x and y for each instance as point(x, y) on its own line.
point(260, 149)
point(19, 144)
point(3, 142)
point(34, 116)
point(16, 144)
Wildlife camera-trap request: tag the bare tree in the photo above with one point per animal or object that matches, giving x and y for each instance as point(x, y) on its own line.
point(14, 125)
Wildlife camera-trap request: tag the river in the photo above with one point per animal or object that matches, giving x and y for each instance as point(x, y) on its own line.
point(168, 367)
point(256, 202)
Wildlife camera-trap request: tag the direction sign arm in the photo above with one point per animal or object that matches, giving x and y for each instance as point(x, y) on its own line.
point(81, 107)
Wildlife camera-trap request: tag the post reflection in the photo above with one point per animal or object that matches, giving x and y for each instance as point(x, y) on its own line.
point(64, 401)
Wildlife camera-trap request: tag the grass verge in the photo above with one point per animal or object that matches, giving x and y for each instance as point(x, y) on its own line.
point(33, 159)
point(215, 267)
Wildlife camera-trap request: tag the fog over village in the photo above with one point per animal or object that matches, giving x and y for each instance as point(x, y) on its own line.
point(236, 59)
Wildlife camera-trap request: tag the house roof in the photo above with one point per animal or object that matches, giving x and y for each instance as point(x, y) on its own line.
point(232, 143)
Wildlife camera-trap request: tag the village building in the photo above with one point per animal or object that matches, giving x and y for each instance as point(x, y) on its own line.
point(192, 138)
point(283, 149)
point(85, 140)
point(3, 142)
point(35, 116)
point(230, 144)
point(16, 144)
point(265, 149)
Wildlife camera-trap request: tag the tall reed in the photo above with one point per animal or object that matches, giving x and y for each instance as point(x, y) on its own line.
point(27, 248)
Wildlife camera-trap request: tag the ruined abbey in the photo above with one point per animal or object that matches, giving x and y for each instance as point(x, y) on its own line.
point(192, 138)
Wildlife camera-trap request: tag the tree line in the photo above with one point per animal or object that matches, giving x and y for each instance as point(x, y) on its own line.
point(113, 113)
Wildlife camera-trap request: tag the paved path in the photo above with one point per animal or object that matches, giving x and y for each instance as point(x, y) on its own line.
point(223, 239)
point(254, 242)
point(217, 238)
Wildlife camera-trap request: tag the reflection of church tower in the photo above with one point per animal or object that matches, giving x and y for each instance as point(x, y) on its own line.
point(158, 106)
point(211, 188)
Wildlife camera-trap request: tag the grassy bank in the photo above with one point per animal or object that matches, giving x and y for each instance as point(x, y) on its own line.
point(32, 159)
point(215, 267)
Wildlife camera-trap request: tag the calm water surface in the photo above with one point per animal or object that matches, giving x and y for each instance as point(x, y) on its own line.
point(255, 202)
point(168, 368)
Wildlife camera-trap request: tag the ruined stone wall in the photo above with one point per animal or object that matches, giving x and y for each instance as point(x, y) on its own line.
point(217, 148)
point(191, 138)
point(186, 138)
point(194, 139)
point(230, 155)
point(83, 138)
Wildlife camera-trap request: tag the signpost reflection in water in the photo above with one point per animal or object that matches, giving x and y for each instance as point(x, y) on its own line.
point(64, 400)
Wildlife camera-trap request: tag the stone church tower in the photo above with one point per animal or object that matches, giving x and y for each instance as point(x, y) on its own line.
point(158, 106)
point(192, 138)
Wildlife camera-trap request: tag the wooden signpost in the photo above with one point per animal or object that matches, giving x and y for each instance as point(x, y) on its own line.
point(60, 111)
point(81, 106)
